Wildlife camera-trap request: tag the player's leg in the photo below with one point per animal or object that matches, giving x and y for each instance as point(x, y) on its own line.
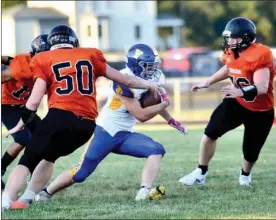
point(11, 153)
point(141, 146)
point(10, 117)
point(100, 146)
point(257, 127)
point(17, 178)
point(70, 133)
point(30, 159)
point(21, 138)
point(227, 116)
point(62, 181)
point(27, 163)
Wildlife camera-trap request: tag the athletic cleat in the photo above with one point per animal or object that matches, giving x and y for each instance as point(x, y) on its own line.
point(157, 193)
point(245, 180)
point(5, 202)
point(142, 194)
point(20, 204)
point(195, 177)
point(43, 196)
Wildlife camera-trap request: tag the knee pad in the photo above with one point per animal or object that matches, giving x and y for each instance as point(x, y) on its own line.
point(30, 160)
point(85, 169)
point(157, 149)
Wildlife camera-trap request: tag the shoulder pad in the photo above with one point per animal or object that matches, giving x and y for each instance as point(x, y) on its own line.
point(122, 90)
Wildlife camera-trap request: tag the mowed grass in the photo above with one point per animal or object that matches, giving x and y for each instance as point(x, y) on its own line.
point(110, 191)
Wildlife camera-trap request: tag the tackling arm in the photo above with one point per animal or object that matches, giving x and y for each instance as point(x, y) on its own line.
point(129, 81)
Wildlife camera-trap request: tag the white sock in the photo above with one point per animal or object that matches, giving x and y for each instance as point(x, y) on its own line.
point(28, 196)
point(6, 201)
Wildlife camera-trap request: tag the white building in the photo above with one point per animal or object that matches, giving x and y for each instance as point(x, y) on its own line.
point(107, 25)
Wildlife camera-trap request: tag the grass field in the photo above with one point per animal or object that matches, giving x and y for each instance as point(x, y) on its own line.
point(110, 191)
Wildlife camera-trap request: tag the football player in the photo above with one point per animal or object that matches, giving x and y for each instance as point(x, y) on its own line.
point(114, 131)
point(68, 74)
point(17, 84)
point(248, 101)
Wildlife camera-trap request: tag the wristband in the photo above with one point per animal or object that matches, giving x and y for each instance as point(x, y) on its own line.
point(249, 91)
point(27, 115)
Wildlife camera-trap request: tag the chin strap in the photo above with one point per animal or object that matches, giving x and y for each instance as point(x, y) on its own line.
point(236, 53)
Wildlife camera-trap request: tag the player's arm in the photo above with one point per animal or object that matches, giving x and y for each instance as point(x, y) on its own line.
point(166, 115)
point(172, 122)
point(261, 76)
point(16, 69)
point(37, 94)
point(130, 81)
point(6, 74)
point(5, 60)
point(142, 114)
point(29, 110)
point(218, 76)
point(261, 80)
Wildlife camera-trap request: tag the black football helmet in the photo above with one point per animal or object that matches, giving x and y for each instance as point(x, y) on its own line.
point(62, 36)
point(239, 27)
point(39, 44)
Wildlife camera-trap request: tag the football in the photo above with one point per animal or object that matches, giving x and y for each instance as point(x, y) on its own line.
point(150, 98)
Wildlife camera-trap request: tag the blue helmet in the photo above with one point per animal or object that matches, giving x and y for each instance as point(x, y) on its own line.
point(143, 61)
point(62, 36)
point(39, 44)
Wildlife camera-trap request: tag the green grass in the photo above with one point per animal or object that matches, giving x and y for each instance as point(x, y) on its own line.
point(110, 191)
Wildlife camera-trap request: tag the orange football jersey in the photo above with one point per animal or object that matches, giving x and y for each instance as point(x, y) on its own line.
point(241, 72)
point(18, 90)
point(71, 75)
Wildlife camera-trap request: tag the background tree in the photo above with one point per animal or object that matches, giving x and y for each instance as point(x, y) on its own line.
point(205, 20)
point(9, 3)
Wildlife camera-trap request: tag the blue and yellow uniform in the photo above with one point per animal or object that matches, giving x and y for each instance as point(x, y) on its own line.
point(114, 133)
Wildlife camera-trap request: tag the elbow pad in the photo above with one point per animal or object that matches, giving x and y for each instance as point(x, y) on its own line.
point(27, 115)
point(249, 92)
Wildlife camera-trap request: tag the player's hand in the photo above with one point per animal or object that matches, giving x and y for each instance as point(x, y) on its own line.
point(20, 126)
point(164, 96)
point(178, 125)
point(155, 87)
point(202, 85)
point(231, 92)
